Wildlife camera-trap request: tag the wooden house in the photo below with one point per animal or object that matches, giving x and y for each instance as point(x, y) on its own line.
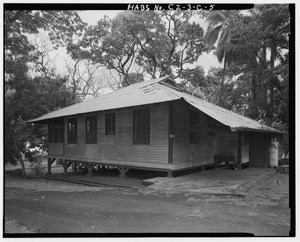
point(153, 125)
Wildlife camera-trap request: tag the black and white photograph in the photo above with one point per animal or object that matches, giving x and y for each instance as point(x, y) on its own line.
point(148, 120)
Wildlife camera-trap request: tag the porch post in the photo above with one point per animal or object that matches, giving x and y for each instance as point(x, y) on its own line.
point(90, 168)
point(66, 165)
point(75, 167)
point(123, 171)
point(50, 161)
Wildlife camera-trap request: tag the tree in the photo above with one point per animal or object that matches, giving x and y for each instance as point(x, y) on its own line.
point(44, 95)
point(82, 78)
point(162, 43)
point(168, 42)
point(23, 99)
point(259, 44)
point(106, 44)
point(262, 37)
point(219, 30)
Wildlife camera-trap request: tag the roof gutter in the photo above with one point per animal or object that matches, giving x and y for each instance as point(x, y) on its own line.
point(239, 129)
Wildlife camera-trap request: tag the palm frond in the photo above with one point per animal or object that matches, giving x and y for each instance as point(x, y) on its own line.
point(220, 53)
point(225, 36)
point(212, 35)
point(216, 18)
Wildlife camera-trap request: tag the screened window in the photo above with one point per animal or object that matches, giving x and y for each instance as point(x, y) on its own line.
point(50, 132)
point(193, 118)
point(91, 130)
point(110, 124)
point(56, 131)
point(72, 131)
point(141, 127)
point(61, 130)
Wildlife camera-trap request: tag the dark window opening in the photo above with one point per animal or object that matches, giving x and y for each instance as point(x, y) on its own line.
point(193, 118)
point(50, 132)
point(72, 131)
point(61, 133)
point(141, 127)
point(194, 138)
point(110, 124)
point(56, 131)
point(91, 130)
point(211, 133)
point(211, 126)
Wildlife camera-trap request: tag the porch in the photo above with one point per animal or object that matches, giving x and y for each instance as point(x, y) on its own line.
point(123, 166)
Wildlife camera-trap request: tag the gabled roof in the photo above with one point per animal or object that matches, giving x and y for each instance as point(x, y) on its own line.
point(156, 91)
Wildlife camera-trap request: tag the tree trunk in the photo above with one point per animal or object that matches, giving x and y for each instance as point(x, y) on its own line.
point(254, 112)
point(222, 84)
point(18, 153)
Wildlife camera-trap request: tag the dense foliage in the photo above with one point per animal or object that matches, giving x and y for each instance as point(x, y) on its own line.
point(256, 52)
point(27, 97)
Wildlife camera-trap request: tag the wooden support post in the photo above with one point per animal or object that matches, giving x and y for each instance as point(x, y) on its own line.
point(90, 168)
point(50, 162)
point(123, 171)
point(215, 163)
point(66, 165)
point(75, 166)
point(203, 168)
point(170, 174)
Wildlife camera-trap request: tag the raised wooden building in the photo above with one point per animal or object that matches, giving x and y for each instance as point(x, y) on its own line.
point(153, 125)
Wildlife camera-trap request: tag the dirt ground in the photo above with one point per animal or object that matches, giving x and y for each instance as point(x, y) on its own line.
point(45, 206)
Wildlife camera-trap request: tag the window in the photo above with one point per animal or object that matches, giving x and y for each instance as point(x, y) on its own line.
point(110, 123)
point(50, 132)
point(193, 118)
point(211, 125)
point(56, 131)
point(194, 138)
point(72, 131)
point(91, 130)
point(141, 127)
point(61, 133)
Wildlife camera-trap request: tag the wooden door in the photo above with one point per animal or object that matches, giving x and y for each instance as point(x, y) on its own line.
point(258, 152)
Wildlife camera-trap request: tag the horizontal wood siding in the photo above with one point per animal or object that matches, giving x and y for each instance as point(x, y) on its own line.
point(223, 142)
point(56, 148)
point(120, 147)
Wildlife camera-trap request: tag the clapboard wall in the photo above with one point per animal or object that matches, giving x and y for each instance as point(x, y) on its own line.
point(223, 140)
point(120, 147)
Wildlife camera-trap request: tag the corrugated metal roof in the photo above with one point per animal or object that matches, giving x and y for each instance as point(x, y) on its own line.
point(155, 91)
point(133, 95)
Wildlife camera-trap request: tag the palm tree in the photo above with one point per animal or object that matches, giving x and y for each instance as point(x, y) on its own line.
point(219, 31)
